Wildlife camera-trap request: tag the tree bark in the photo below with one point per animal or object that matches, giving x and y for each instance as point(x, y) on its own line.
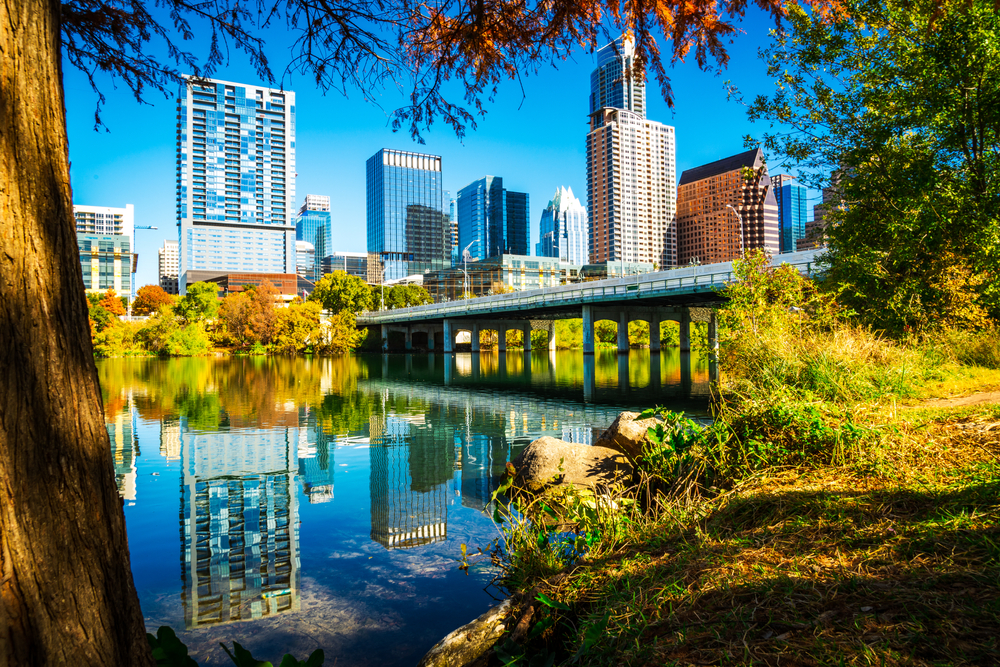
point(66, 590)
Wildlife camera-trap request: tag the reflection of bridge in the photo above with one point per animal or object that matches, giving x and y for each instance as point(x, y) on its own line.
point(683, 295)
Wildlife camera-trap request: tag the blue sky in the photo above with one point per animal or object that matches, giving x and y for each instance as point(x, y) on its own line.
point(535, 141)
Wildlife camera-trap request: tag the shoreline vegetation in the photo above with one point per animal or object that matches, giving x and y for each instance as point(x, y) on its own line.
point(842, 508)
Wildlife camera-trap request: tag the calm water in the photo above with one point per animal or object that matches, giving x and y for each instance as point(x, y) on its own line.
point(291, 504)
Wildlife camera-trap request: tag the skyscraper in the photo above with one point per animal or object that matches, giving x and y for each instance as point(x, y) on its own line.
point(235, 178)
point(167, 263)
point(617, 82)
point(409, 231)
point(313, 224)
point(492, 219)
point(563, 230)
point(792, 200)
point(104, 238)
point(725, 205)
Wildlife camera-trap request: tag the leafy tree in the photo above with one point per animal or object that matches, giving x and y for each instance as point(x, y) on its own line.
point(149, 299)
point(901, 102)
point(66, 566)
point(263, 318)
point(403, 296)
point(234, 312)
point(340, 292)
point(201, 302)
point(100, 318)
point(112, 303)
point(297, 327)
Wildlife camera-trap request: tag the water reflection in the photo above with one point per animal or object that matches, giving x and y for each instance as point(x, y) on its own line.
point(418, 444)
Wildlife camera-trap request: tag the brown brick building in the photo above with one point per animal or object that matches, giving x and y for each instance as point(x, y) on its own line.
point(708, 230)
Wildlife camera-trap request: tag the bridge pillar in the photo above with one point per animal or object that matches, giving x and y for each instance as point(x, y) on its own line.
point(685, 330)
point(408, 338)
point(654, 335)
point(430, 339)
point(552, 335)
point(713, 333)
point(588, 330)
point(449, 337)
point(501, 337)
point(385, 337)
point(589, 381)
point(475, 336)
point(623, 373)
point(623, 332)
point(526, 333)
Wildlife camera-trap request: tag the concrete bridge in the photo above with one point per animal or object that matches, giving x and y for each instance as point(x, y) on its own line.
point(685, 295)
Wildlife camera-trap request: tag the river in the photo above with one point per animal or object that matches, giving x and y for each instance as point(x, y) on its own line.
point(294, 504)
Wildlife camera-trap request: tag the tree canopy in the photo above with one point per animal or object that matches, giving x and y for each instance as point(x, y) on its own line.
point(339, 292)
point(201, 302)
point(149, 299)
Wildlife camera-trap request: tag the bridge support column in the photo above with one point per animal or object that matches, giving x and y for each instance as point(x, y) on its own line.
point(654, 336)
point(449, 337)
point(526, 333)
point(588, 330)
point(713, 333)
point(501, 337)
point(552, 335)
point(685, 330)
point(385, 337)
point(623, 373)
point(475, 337)
point(408, 338)
point(623, 332)
point(589, 381)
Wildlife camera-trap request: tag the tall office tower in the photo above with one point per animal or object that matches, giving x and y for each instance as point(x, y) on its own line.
point(104, 238)
point(235, 179)
point(453, 220)
point(631, 167)
point(408, 227)
point(314, 224)
point(494, 220)
point(167, 259)
point(563, 230)
point(722, 202)
point(239, 524)
point(305, 260)
point(618, 82)
point(792, 198)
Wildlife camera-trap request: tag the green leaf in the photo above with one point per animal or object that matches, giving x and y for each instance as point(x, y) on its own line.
point(549, 602)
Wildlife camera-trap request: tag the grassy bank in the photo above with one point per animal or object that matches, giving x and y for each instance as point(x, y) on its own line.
point(843, 509)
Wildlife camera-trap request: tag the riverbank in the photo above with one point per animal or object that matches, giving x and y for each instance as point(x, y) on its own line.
point(843, 509)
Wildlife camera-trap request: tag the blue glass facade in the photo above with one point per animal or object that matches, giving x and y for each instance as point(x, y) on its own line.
point(792, 199)
point(313, 225)
point(409, 227)
point(492, 219)
point(563, 231)
point(610, 83)
point(235, 178)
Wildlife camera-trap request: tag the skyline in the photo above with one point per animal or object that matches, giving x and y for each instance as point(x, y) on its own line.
point(536, 143)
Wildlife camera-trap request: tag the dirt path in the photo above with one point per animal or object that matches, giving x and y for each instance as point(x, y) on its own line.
point(960, 401)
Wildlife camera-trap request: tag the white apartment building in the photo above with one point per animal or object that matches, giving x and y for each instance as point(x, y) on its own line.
point(168, 266)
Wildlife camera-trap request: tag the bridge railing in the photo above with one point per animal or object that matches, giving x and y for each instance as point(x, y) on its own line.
point(638, 286)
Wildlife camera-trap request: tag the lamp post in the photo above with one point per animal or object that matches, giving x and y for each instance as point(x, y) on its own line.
point(740, 219)
point(465, 260)
point(131, 281)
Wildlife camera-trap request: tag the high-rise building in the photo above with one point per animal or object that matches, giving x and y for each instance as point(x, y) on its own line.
point(305, 260)
point(167, 259)
point(494, 220)
point(724, 206)
point(313, 224)
point(235, 179)
point(351, 263)
point(618, 82)
point(631, 167)
point(792, 199)
point(563, 230)
point(104, 238)
point(453, 219)
point(409, 231)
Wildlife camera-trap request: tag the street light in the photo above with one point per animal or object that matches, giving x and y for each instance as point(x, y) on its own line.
point(132, 262)
point(740, 219)
point(465, 259)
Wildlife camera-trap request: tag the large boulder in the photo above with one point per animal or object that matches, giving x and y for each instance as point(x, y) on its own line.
point(550, 461)
point(467, 644)
point(627, 434)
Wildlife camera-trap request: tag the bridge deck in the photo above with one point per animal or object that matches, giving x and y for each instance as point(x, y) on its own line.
point(687, 286)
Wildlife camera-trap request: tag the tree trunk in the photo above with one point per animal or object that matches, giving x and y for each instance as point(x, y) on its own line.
point(66, 591)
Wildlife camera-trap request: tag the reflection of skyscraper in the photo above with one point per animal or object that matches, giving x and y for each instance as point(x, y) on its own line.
point(170, 439)
point(316, 464)
point(484, 458)
point(123, 450)
point(239, 525)
point(409, 471)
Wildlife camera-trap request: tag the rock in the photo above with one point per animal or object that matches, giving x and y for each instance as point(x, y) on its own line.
point(467, 644)
point(550, 461)
point(626, 434)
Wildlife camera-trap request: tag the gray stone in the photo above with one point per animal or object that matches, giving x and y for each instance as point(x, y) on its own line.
point(626, 434)
point(467, 644)
point(550, 461)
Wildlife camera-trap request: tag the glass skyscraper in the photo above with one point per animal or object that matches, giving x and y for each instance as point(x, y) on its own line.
point(563, 231)
point(313, 225)
point(409, 230)
point(492, 219)
point(104, 237)
point(792, 198)
point(235, 178)
point(613, 83)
